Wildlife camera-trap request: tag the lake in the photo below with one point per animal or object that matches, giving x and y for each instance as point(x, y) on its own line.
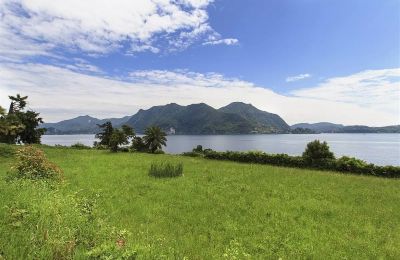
point(381, 149)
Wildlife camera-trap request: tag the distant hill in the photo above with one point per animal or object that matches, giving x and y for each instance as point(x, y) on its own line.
point(236, 118)
point(325, 127)
point(322, 127)
point(80, 125)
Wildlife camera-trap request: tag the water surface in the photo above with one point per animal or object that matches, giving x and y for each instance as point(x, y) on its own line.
point(381, 149)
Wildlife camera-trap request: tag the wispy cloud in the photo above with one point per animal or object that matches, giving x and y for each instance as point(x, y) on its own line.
point(228, 41)
point(39, 27)
point(60, 93)
point(298, 77)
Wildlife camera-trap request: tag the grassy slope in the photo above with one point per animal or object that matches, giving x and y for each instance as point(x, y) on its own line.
point(219, 207)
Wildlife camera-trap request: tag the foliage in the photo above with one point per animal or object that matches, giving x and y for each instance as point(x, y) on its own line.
point(105, 134)
point(138, 145)
point(6, 150)
point(31, 163)
point(198, 149)
point(20, 126)
point(80, 146)
point(317, 154)
point(165, 170)
point(112, 138)
point(155, 138)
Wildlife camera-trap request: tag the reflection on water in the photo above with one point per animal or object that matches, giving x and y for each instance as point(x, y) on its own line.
point(382, 149)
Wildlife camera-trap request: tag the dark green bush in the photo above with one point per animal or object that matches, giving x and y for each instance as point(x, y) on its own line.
point(80, 146)
point(317, 154)
point(165, 170)
point(6, 150)
point(317, 157)
point(158, 151)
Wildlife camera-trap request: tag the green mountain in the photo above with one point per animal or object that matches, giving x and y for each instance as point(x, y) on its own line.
point(325, 127)
point(236, 118)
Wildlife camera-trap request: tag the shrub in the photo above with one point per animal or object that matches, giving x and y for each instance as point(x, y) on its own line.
point(31, 163)
point(198, 149)
point(165, 170)
point(192, 154)
point(80, 146)
point(7, 150)
point(317, 154)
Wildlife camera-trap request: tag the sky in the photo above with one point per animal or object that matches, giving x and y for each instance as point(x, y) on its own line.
point(306, 60)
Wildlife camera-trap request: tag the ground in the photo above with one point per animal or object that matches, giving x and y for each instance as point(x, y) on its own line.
point(217, 209)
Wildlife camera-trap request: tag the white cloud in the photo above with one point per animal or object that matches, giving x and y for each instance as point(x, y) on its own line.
point(38, 27)
point(228, 41)
point(59, 93)
point(371, 88)
point(298, 77)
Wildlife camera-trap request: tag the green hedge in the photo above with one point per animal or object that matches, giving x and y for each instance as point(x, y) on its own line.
point(343, 164)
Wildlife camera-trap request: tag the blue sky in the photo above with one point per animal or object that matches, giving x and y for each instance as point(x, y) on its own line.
point(333, 55)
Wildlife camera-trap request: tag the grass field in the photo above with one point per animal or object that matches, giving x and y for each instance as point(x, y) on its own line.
point(216, 210)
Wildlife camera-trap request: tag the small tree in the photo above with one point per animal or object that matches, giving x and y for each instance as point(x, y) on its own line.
point(105, 134)
point(138, 144)
point(317, 153)
point(155, 138)
point(120, 137)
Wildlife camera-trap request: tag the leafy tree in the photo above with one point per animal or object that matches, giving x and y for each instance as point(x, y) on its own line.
point(138, 144)
point(120, 137)
point(19, 125)
point(317, 153)
point(105, 134)
point(154, 138)
point(112, 137)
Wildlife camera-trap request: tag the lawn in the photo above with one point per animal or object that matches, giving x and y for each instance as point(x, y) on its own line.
point(216, 209)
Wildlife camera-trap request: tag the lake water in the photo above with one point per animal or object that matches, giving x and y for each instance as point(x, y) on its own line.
point(381, 149)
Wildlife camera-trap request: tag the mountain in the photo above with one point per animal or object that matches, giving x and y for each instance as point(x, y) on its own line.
point(322, 127)
point(260, 120)
point(325, 127)
point(236, 118)
point(80, 125)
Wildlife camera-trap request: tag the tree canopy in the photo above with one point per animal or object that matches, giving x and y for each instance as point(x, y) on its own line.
point(20, 125)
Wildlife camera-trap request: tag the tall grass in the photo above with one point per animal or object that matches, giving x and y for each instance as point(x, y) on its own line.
point(166, 170)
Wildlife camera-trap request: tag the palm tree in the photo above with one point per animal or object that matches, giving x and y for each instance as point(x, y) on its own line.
point(154, 138)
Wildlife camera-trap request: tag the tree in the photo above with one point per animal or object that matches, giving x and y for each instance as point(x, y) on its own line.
point(19, 125)
point(112, 137)
point(154, 138)
point(105, 135)
point(138, 144)
point(317, 153)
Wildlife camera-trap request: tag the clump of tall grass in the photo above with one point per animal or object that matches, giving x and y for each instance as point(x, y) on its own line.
point(165, 170)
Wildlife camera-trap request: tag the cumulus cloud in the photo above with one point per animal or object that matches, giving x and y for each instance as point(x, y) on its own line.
point(298, 77)
point(60, 93)
point(38, 27)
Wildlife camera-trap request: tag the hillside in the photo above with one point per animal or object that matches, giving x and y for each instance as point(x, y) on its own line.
point(325, 127)
point(236, 118)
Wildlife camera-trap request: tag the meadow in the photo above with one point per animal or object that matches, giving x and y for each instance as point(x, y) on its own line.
point(109, 207)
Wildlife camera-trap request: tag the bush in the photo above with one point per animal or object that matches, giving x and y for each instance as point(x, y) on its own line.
point(31, 163)
point(317, 154)
point(7, 150)
point(80, 146)
point(198, 149)
point(166, 170)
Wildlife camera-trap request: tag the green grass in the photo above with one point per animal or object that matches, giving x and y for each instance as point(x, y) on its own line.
point(217, 209)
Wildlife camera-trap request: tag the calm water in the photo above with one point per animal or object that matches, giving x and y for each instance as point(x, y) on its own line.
point(382, 149)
